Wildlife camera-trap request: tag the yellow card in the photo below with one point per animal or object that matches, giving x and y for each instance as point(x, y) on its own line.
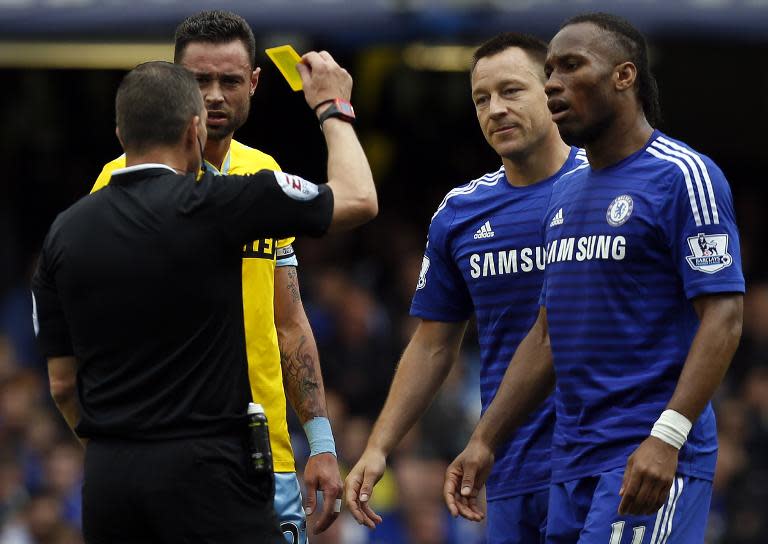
point(286, 58)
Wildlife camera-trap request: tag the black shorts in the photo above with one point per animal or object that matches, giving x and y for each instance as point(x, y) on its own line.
point(199, 490)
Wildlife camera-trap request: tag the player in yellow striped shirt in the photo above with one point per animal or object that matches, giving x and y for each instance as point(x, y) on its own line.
point(219, 49)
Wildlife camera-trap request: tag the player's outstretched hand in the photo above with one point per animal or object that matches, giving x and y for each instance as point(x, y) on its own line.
point(358, 487)
point(465, 477)
point(322, 473)
point(648, 478)
point(323, 79)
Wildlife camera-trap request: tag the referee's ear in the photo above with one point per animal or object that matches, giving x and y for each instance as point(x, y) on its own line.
point(193, 133)
point(119, 139)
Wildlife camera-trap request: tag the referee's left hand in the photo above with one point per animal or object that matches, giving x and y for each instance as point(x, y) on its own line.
point(322, 474)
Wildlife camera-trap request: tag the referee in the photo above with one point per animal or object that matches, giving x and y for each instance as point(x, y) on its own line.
point(138, 309)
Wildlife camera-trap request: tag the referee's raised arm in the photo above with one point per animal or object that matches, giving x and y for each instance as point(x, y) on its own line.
point(281, 204)
point(161, 120)
point(327, 89)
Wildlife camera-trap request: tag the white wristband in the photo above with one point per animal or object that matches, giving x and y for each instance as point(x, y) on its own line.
point(672, 427)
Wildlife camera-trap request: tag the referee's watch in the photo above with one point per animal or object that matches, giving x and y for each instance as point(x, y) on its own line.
point(338, 108)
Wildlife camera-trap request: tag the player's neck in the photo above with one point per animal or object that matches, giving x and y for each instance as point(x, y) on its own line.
point(620, 140)
point(543, 162)
point(216, 151)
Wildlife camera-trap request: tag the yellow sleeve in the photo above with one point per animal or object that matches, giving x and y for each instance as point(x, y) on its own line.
point(273, 166)
point(106, 173)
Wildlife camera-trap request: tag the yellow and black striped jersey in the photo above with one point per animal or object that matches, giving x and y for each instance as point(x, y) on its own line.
point(259, 260)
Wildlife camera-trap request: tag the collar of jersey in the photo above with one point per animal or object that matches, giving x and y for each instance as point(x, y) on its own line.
point(569, 164)
point(224, 167)
point(145, 166)
point(628, 159)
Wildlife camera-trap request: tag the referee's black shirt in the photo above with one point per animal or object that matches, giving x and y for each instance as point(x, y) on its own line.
point(141, 282)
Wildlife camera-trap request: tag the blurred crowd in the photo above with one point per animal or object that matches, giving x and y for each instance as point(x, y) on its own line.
point(40, 459)
point(357, 291)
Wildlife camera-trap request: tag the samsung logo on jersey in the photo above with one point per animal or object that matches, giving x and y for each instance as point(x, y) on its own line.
point(507, 262)
point(587, 248)
point(528, 259)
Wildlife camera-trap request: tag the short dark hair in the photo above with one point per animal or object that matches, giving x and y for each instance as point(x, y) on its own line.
point(155, 102)
point(634, 46)
point(214, 26)
point(535, 48)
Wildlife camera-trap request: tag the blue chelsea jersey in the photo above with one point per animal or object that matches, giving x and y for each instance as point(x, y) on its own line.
point(485, 255)
point(628, 247)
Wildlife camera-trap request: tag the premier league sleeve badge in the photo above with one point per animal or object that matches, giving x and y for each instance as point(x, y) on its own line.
point(709, 252)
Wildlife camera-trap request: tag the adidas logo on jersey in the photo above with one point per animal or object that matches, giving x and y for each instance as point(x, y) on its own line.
point(557, 219)
point(485, 231)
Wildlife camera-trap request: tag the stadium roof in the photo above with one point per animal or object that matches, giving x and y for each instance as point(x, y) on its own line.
point(366, 21)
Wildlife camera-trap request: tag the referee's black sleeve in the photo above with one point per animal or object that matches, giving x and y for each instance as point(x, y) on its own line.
point(51, 327)
point(269, 203)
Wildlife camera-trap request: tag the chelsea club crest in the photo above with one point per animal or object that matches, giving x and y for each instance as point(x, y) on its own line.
point(619, 210)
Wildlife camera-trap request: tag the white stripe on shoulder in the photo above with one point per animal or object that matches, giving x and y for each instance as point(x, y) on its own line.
point(487, 180)
point(704, 172)
point(695, 171)
point(569, 172)
point(686, 174)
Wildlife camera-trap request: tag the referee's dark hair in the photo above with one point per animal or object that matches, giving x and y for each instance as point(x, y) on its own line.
point(535, 48)
point(630, 44)
point(155, 103)
point(214, 26)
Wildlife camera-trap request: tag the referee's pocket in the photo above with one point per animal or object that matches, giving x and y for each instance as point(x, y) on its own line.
point(227, 458)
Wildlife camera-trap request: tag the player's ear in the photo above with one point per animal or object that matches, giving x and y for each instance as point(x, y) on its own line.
point(624, 76)
point(254, 80)
point(119, 139)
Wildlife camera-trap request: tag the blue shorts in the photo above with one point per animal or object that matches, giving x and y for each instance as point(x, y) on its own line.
point(518, 520)
point(585, 511)
point(289, 508)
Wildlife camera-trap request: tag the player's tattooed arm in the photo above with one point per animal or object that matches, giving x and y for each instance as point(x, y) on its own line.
point(302, 381)
point(303, 384)
point(293, 285)
point(299, 358)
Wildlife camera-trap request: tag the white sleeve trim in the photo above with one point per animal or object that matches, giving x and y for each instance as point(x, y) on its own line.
point(35, 322)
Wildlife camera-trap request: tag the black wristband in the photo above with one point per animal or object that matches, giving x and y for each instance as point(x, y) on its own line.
point(323, 103)
point(340, 109)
